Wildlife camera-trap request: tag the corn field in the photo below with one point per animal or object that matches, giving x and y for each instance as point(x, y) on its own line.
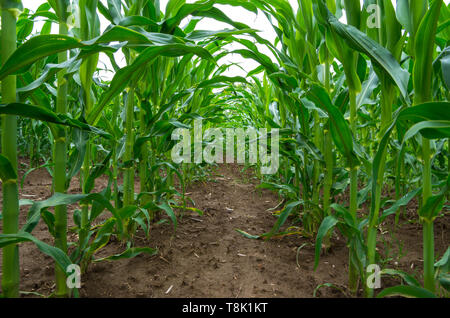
point(358, 92)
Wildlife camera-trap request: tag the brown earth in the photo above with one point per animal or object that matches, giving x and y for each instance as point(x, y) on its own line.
point(206, 257)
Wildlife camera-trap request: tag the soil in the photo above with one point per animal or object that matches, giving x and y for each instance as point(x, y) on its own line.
point(207, 257)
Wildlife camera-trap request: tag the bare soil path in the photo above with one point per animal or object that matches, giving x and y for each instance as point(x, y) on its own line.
point(206, 257)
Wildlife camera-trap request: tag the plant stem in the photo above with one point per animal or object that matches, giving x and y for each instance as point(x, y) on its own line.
point(143, 165)
point(87, 69)
point(115, 168)
point(128, 186)
point(353, 168)
point(428, 236)
point(10, 269)
point(329, 164)
point(353, 272)
point(386, 116)
point(85, 170)
point(60, 158)
point(328, 150)
point(318, 141)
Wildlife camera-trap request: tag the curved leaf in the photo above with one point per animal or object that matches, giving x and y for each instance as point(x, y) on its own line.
point(341, 132)
point(283, 217)
point(7, 172)
point(130, 73)
point(129, 253)
point(406, 291)
point(61, 259)
point(327, 224)
point(43, 114)
point(377, 53)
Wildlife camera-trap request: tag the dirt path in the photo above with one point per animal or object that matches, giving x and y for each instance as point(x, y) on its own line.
point(206, 257)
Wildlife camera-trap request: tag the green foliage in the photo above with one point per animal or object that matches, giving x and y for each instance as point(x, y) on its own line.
point(340, 94)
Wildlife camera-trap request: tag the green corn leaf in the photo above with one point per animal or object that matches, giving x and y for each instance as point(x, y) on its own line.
point(344, 214)
point(445, 65)
point(140, 221)
point(329, 285)
point(177, 13)
point(223, 80)
point(36, 48)
point(368, 87)
point(378, 54)
point(435, 129)
point(445, 259)
point(282, 187)
point(406, 291)
point(262, 59)
point(49, 219)
point(434, 204)
point(61, 8)
point(247, 235)
point(7, 172)
point(433, 111)
point(101, 239)
point(41, 46)
point(444, 280)
point(131, 73)
point(399, 203)
point(169, 211)
point(129, 253)
point(61, 259)
point(97, 207)
point(137, 21)
point(115, 10)
point(127, 212)
point(89, 21)
point(424, 51)
point(173, 6)
point(43, 114)
point(198, 211)
point(97, 172)
point(411, 281)
point(65, 199)
point(166, 208)
point(200, 35)
point(410, 14)
point(341, 132)
point(327, 224)
point(283, 217)
point(49, 71)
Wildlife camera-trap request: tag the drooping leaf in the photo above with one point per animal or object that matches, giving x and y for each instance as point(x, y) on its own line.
point(129, 253)
point(46, 115)
point(7, 172)
point(341, 132)
point(61, 259)
point(377, 53)
point(327, 224)
point(283, 217)
point(406, 291)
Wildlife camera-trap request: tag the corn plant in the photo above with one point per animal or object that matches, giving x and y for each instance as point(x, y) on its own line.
point(142, 48)
point(10, 281)
point(359, 109)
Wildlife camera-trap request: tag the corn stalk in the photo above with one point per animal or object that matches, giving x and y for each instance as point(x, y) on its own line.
point(11, 270)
